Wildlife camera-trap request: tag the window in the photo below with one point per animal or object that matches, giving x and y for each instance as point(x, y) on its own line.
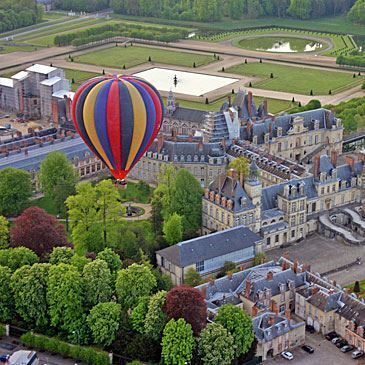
point(268, 241)
point(313, 207)
point(294, 207)
point(282, 307)
point(293, 233)
point(162, 261)
point(277, 238)
point(199, 266)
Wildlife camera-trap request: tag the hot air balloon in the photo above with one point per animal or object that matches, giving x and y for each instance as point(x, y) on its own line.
point(118, 117)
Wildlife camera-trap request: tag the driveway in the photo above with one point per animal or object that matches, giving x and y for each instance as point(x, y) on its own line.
point(325, 353)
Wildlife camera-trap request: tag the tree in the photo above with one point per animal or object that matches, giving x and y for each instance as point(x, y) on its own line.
point(138, 314)
point(173, 229)
point(104, 321)
point(188, 303)
point(166, 188)
point(156, 318)
point(65, 296)
point(37, 230)
point(97, 282)
point(356, 287)
point(109, 208)
point(239, 325)
point(300, 9)
point(29, 285)
point(58, 179)
point(177, 343)
point(6, 302)
point(132, 283)
point(187, 201)
point(79, 262)
point(216, 345)
point(4, 232)
point(192, 277)
point(15, 190)
point(14, 258)
point(61, 255)
point(357, 12)
point(111, 258)
point(259, 259)
point(242, 166)
point(86, 230)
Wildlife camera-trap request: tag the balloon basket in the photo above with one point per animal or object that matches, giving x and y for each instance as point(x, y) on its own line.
point(120, 184)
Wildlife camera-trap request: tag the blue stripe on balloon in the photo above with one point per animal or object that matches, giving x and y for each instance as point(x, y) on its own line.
point(126, 121)
point(151, 118)
point(101, 121)
point(80, 115)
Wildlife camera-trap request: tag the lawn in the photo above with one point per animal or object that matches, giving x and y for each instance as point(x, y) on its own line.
point(298, 80)
point(136, 192)
point(275, 106)
point(362, 288)
point(116, 57)
point(79, 77)
point(46, 204)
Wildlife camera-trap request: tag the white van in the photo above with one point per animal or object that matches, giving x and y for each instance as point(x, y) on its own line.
point(24, 357)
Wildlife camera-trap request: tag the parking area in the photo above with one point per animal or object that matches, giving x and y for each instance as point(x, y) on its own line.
point(325, 254)
point(325, 353)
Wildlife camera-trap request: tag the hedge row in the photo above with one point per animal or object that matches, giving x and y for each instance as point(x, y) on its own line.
point(88, 355)
point(355, 58)
point(2, 330)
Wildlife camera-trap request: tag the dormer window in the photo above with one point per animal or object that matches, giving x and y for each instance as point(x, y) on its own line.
point(267, 137)
point(316, 125)
point(254, 140)
point(280, 132)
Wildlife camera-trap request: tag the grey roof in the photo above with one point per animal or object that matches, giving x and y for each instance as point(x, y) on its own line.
point(190, 115)
point(271, 213)
point(231, 188)
point(325, 164)
point(275, 227)
point(325, 301)
point(266, 331)
point(210, 246)
point(71, 147)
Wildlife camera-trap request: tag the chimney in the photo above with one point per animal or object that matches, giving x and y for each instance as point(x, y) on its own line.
point(269, 275)
point(249, 103)
point(190, 137)
point(203, 290)
point(229, 101)
point(68, 108)
point(230, 275)
point(265, 108)
point(271, 320)
point(248, 288)
point(350, 161)
point(334, 158)
point(200, 146)
point(283, 265)
point(316, 165)
point(249, 128)
point(315, 290)
point(273, 305)
point(160, 142)
point(295, 267)
point(288, 314)
point(254, 311)
point(242, 179)
point(54, 105)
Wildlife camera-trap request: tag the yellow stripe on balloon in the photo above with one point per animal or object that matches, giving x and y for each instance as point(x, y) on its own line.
point(140, 121)
point(89, 121)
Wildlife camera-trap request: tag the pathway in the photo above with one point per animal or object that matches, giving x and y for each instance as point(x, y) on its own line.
point(147, 211)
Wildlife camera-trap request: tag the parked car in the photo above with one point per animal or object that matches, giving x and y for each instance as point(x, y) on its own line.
point(341, 343)
point(287, 355)
point(308, 349)
point(347, 348)
point(357, 353)
point(310, 328)
point(331, 335)
point(335, 340)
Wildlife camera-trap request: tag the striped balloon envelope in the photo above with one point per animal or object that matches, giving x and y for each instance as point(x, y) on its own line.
point(118, 117)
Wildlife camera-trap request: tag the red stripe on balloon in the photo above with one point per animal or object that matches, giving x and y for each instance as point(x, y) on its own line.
point(113, 123)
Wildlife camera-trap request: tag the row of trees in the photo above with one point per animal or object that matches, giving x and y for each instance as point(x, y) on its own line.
point(357, 12)
point(82, 5)
point(17, 14)
point(212, 10)
point(354, 58)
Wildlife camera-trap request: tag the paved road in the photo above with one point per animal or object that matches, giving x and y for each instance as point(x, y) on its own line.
point(324, 255)
point(325, 353)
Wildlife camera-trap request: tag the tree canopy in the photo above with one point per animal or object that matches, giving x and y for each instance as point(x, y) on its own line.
point(4, 232)
point(173, 229)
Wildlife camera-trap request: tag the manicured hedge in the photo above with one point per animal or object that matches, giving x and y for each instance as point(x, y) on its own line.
point(88, 355)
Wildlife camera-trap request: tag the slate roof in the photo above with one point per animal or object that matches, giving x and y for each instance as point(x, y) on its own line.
point(266, 331)
point(190, 115)
point(210, 246)
point(324, 301)
point(231, 188)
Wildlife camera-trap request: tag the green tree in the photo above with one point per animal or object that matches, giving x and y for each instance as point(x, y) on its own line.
point(259, 259)
point(187, 201)
point(14, 258)
point(192, 277)
point(15, 190)
point(173, 229)
point(4, 232)
point(132, 283)
point(239, 325)
point(6, 302)
point(79, 262)
point(357, 12)
point(97, 282)
point(216, 345)
point(104, 322)
point(166, 189)
point(242, 166)
point(61, 255)
point(111, 258)
point(65, 296)
point(300, 9)
point(156, 318)
point(109, 208)
point(138, 314)
point(58, 179)
point(177, 343)
point(356, 287)
point(29, 285)
point(86, 230)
